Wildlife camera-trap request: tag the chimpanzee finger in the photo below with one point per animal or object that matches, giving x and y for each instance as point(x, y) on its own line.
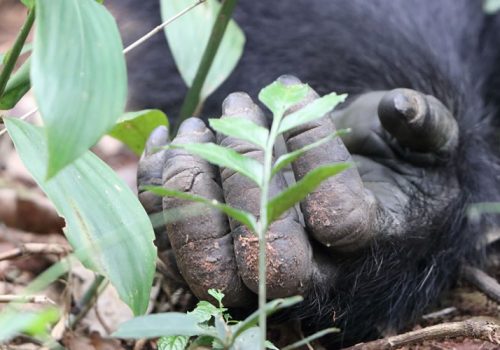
point(417, 121)
point(289, 254)
point(202, 244)
point(149, 172)
point(340, 213)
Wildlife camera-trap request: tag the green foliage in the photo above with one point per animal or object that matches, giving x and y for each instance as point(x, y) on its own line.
point(134, 128)
point(207, 322)
point(188, 37)
point(225, 157)
point(491, 6)
point(243, 129)
point(17, 86)
point(297, 192)
point(78, 76)
point(102, 215)
point(13, 322)
point(278, 98)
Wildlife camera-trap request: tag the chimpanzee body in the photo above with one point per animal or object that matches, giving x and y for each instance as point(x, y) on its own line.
point(446, 48)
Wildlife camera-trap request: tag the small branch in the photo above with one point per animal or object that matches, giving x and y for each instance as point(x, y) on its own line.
point(192, 98)
point(16, 51)
point(88, 300)
point(478, 328)
point(33, 299)
point(35, 248)
point(482, 281)
point(160, 27)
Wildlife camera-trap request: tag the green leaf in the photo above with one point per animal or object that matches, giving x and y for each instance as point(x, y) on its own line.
point(15, 322)
point(245, 218)
point(314, 110)
point(288, 158)
point(243, 129)
point(105, 223)
point(278, 97)
point(78, 75)
point(294, 194)
point(270, 345)
point(17, 86)
point(491, 6)
point(247, 340)
point(134, 128)
point(225, 157)
point(28, 3)
point(310, 338)
point(204, 311)
point(159, 325)
point(173, 343)
point(188, 37)
point(271, 307)
point(217, 295)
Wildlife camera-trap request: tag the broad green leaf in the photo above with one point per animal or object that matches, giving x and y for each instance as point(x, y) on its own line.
point(28, 3)
point(17, 86)
point(314, 110)
point(288, 158)
point(14, 322)
point(270, 345)
point(102, 216)
point(225, 157)
point(245, 218)
point(188, 36)
point(134, 128)
point(491, 6)
point(160, 325)
point(310, 338)
point(204, 311)
point(278, 97)
point(271, 307)
point(294, 194)
point(243, 129)
point(174, 342)
point(78, 76)
point(247, 340)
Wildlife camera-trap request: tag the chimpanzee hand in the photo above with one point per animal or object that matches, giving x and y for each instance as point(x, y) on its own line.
point(400, 142)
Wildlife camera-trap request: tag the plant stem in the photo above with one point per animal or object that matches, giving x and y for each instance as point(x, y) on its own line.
point(263, 226)
point(192, 98)
point(16, 51)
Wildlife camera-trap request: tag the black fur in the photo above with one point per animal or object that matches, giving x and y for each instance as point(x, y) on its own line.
point(447, 48)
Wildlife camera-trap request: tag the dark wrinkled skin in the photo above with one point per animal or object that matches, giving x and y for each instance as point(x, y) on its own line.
point(381, 242)
point(343, 214)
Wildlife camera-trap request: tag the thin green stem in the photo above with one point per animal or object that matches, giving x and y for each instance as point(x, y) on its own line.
point(16, 51)
point(192, 98)
point(263, 226)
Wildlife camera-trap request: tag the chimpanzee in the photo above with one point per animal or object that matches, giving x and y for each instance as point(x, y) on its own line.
point(381, 241)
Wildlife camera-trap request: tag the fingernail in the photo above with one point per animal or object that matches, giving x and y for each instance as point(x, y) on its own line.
point(235, 103)
point(409, 104)
point(191, 125)
point(158, 138)
point(288, 79)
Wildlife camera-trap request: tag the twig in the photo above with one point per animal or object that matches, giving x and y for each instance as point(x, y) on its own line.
point(88, 300)
point(478, 328)
point(33, 299)
point(482, 281)
point(35, 248)
point(160, 27)
point(192, 98)
point(16, 51)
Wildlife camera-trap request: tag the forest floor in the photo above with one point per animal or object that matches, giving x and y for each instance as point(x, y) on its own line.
point(27, 217)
